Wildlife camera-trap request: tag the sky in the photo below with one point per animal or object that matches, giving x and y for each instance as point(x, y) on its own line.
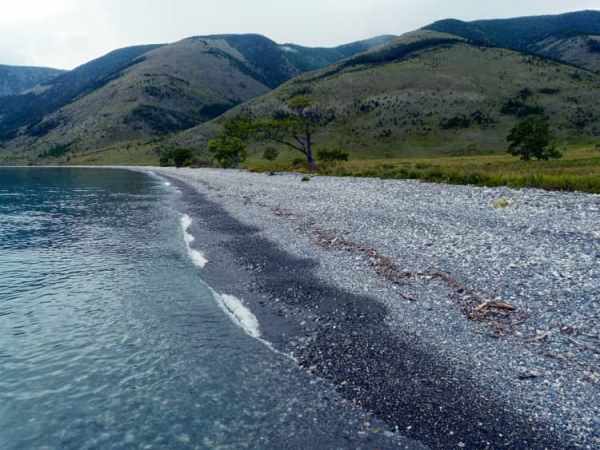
point(67, 33)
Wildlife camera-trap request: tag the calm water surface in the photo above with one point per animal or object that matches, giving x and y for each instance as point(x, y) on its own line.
point(110, 339)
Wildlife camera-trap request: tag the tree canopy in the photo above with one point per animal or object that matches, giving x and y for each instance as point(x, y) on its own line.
point(293, 125)
point(532, 139)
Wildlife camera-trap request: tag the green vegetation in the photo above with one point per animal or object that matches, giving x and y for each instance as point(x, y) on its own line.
point(228, 151)
point(178, 157)
point(293, 125)
point(56, 151)
point(182, 157)
point(593, 45)
point(270, 154)
point(330, 155)
point(531, 139)
point(451, 100)
point(579, 170)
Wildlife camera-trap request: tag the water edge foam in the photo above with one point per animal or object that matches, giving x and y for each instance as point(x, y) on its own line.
point(196, 256)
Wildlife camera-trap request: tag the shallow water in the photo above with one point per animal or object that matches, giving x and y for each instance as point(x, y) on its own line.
point(109, 338)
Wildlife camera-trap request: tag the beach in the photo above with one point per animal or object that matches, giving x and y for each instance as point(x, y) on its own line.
point(463, 317)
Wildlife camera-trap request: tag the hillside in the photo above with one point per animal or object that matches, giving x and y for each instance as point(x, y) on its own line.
point(571, 38)
point(434, 93)
point(28, 109)
point(144, 92)
point(15, 80)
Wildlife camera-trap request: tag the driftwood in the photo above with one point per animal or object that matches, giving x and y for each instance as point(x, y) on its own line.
point(473, 304)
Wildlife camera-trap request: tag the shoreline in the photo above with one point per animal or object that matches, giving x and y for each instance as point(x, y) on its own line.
point(342, 337)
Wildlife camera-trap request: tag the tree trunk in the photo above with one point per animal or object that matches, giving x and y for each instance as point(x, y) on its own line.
point(312, 164)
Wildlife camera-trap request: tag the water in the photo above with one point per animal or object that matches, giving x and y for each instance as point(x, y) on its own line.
point(109, 338)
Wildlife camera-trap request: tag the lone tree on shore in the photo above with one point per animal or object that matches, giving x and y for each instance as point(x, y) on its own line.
point(294, 125)
point(532, 139)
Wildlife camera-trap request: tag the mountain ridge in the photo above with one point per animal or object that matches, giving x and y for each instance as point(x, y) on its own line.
point(15, 80)
point(536, 34)
point(148, 91)
point(147, 97)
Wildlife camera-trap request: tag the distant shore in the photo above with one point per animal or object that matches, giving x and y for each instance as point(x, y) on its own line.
point(354, 278)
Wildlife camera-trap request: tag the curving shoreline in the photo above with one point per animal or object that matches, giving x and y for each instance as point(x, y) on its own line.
point(434, 392)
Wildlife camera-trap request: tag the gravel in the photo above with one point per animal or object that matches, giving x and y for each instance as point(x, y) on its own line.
point(431, 255)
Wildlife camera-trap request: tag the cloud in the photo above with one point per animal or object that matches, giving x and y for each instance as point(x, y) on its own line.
point(66, 33)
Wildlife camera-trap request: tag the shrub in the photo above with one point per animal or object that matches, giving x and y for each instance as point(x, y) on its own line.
point(549, 91)
point(518, 108)
point(182, 156)
point(270, 154)
point(594, 45)
point(56, 151)
point(525, 93)
point(228, 151)
point(330, 155)
point(166, 159)
point(456, 122)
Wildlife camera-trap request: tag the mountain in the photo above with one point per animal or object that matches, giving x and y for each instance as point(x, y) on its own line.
point(433, 93)
point(15, 80)
point(143, 92)
point(572, 38)
point(452, 87)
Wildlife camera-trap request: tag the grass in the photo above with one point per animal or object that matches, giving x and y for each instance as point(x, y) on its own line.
point(578, 170)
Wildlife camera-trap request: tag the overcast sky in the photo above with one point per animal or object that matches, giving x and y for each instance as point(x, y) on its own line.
point(66, 33)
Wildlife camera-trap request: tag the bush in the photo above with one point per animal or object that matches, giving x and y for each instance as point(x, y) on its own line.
point(166, 158)
point(549, 91)
point(270, 154)
point(182, 156)
point(330, 155)
point(298, 162)
point(518, 108)
point(56, 151)
point(525, 93)
point(456, 122)
point(228, 151)
point(594, 45)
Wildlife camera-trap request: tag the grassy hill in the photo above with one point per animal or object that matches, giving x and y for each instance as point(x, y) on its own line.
point(15, 80)
point(430, 93)
point(141, 93)
point(570, 37)
point(452, 88)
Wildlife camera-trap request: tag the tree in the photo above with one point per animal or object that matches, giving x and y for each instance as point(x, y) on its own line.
point(182, 156)
point(229, 147)
point(229, 151)
point(532, 139)
point(294, 126)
